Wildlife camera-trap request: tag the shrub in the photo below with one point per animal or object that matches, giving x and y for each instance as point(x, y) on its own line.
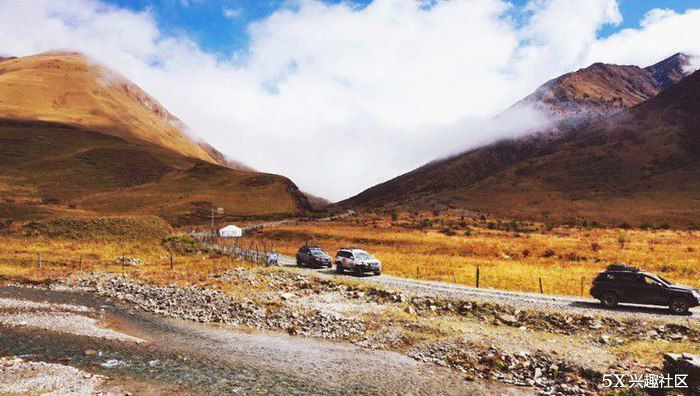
point(448, 231)
point(182, 244)
point(622, 240)
point(548, 253)
point(596, 247)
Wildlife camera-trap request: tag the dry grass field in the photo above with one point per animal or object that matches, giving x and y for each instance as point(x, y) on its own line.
point(139, 245)
point(510, 255)
point(443, 247)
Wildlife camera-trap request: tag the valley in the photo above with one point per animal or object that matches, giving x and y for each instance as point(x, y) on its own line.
point(110, 280)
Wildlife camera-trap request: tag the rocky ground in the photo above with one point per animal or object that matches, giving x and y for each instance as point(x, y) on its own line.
point(18, 376)
point(553, 352)
point(179, 356)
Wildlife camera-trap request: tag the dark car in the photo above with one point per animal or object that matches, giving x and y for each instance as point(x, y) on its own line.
point(313, 256)
point(622, 284)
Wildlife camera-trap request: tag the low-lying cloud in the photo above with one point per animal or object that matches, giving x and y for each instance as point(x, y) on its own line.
point(340, 98)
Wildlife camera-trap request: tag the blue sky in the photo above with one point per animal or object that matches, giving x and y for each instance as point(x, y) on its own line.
point(206, 22)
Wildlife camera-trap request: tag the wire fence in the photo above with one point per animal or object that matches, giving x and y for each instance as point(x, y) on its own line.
point(247, 249)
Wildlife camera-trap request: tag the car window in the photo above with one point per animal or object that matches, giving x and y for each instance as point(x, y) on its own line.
point(651, 281)
point(362, 255)
point(316, 250)
point(627, 278)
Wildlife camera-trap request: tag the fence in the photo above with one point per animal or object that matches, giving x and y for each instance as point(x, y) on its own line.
point(254, 252)
point(480, 277)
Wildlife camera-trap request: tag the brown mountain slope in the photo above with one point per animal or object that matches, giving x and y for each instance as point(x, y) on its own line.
point(77, 138)
point(638, 165)
point(70, 89)
point(604, 88)
point(48, 169)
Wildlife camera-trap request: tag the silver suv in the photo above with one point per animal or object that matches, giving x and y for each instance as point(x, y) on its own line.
point(356, 260)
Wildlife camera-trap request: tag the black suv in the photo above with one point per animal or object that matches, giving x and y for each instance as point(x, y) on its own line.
point(624, 284)
point(313, 256)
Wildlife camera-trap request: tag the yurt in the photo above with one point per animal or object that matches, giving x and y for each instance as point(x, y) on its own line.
point(231, 231)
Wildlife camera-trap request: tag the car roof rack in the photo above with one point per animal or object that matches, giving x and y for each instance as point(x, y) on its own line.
point(622, 267)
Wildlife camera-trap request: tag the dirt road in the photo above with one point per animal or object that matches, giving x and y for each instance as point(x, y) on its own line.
point(144, 353)
point(521, 299)
point(572, 305)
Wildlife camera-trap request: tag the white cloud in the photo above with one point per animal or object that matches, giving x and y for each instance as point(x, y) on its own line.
point(661, 34)
point(340, 98)
point(231, 12)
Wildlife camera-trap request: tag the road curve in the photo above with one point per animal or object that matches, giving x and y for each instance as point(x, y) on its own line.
point(572, 305)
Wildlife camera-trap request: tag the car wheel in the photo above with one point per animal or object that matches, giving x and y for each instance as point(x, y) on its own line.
point(377, 272)
point(679, 306)
point(298, 263)
point(609, 299)
point(339, 268)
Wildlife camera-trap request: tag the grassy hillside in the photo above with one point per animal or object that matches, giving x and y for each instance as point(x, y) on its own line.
point(139, 228)
point(69, 88)
point(49, 169)
point(640, 165)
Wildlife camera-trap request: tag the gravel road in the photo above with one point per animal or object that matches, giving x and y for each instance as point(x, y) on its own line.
point(181, 357)
point(573, 305)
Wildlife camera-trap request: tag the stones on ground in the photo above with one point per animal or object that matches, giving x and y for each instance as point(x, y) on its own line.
point(521, 368)
point(508, 319)
point(206, 305)
point(18, 376)
point(684, 364)
point(281, 302)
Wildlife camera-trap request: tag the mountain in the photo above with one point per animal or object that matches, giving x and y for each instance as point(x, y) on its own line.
point(670, 70)
point(68, 88)
point(76, 137)
point(602, 88)
point(639, 164)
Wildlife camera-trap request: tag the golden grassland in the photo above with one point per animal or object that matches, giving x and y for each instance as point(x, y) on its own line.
point(445, 248)
point(507, 259)
point(19, 260)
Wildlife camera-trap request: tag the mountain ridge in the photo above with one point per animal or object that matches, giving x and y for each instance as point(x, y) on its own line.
point(603, 88)
point(585, 170)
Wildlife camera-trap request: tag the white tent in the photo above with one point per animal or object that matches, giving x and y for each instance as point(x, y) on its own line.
point(231, 231)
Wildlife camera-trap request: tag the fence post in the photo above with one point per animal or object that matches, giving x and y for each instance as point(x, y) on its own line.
point(417, 272)
point(477, 276)
point(582, 285)
point(454, 277)
point(39, 259)
point(123, 260)
point(541, 292)
point(172, 264)
point(80, 263)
